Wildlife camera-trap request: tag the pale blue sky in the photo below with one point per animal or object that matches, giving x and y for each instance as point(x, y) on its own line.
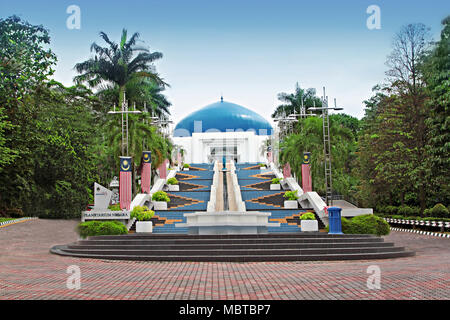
point(248, 50)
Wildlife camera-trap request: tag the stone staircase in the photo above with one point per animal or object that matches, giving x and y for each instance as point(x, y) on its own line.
point(234, 248)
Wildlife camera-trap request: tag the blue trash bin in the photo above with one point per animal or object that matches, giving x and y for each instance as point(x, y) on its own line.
point(334, 220)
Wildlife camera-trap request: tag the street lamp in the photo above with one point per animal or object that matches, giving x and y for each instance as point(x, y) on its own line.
point(125, 112)
point(326, 145)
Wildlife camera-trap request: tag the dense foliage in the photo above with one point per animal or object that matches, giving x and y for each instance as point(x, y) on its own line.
point(56, 141)
point(398, 154)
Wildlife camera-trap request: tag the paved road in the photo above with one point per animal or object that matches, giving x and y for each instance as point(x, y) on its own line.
point(29, 271)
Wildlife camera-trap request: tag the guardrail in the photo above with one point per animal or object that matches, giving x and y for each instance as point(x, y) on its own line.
point(14, 221)
point(425, 223)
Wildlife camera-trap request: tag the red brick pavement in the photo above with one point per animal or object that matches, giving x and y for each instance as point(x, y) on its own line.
point(29, 271)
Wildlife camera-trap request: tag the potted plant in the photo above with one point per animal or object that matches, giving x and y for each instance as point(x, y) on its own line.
point(309, 222)
point(173, 184)
point(160, 200)
point(262, 166)
point(276, 184)
point(143, 216)
point(186, 167)
point(291, 200)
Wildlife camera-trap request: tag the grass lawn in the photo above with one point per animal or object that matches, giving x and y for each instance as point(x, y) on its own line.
point(6, 219)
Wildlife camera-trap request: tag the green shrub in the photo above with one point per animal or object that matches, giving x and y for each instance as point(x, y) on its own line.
point(405, 211)
point(160, 196)
point(369, 224)
point(391, 209)
point(146, 215)
point(276, 181)
point(345, 224)
point(14, 213)
point(172, 181)
point(412, 218)
point(436, 219)
point(290, 195)
point(101, 228)
point(439, 211)
point(427, 212)
point(366, 224)
point(137, 210)
point(142, 213)
point(262, 165)
point(115, 207)
point(186, 165)
point(308, 216)
point(396, 216)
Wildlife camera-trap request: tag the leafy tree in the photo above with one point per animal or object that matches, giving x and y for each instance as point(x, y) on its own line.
point(436, 70)
point(309, 138)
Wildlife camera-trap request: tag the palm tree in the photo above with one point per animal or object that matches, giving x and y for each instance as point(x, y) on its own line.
point(293, 101)
point(143, 137)
point(119, 64)
point(310, 139)
point(141, 91)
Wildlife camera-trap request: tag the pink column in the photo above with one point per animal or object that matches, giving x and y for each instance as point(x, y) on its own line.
point(146, 173)
point(306, 172)
point(125, 177)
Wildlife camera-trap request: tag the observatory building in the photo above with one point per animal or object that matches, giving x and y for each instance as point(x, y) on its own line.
point(223, 129)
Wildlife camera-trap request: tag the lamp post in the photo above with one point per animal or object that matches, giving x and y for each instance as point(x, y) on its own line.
point(124, 111)
point(327, 145)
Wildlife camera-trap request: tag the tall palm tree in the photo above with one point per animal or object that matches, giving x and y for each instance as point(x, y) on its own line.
point(118, 64)
point(293, 101)
point(141, 91)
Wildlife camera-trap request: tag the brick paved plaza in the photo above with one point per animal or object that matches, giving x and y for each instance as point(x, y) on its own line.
point(29, 271)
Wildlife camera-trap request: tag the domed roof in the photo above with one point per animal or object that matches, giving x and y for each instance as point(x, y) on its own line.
point(222, 116)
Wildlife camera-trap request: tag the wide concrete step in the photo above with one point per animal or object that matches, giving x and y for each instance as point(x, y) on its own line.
point(210, 246)
point(239, 258)
point(232, 236)
point(235, 252)
point(226, 241)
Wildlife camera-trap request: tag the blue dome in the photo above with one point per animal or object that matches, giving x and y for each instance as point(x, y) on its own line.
point(222, 116)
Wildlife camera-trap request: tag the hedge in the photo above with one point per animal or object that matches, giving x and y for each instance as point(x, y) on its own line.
point(101, 228)
point(365, 224)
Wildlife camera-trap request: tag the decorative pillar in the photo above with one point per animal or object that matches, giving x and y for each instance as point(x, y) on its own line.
point(125, 183)
point(306, 172)
point(146, 173)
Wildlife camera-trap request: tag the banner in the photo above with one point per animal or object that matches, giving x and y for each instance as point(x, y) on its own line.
point(306, 172)
point(125, 183)
point(287, 171)
point(270, 156)
point(163, 169)
point(146, 173)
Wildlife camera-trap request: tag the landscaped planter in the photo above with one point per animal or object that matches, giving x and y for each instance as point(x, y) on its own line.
point(275, 186)
point(144, 226)
point(291, 204)
point(174, 187)
point(185, 169)
point(309, 225)
point(263, 168)
point(159, 205)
